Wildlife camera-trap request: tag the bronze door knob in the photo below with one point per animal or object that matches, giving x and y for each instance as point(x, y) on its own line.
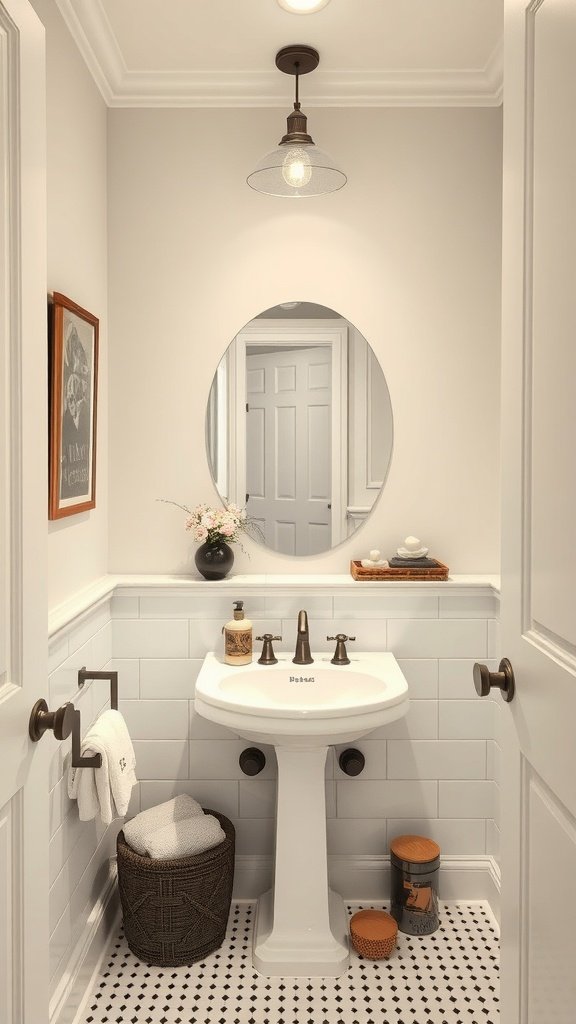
point(503, 679)
point(60, 721)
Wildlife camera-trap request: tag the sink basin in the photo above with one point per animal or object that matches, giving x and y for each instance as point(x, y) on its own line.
point(314, 705)
point(301, 926)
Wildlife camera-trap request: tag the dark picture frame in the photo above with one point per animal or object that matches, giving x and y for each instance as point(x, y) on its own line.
point(73, 400)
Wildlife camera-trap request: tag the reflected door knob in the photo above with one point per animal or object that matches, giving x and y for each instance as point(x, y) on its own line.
point(485, 680)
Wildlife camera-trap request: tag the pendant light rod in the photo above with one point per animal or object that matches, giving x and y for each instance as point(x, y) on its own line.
point(297, 60)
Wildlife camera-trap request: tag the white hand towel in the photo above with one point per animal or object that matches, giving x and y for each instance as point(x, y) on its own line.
point(113, 781)
point(82, 787)
point(137, 830)
point(185, 838)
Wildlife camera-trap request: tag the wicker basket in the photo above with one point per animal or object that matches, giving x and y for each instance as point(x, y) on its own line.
point(373, 933)
point(375, 574)
point(176, 911)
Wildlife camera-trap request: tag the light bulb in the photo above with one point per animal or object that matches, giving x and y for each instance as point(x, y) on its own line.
point(296, 167)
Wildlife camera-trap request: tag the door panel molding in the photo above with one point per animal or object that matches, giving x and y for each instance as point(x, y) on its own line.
point(548, 843)
point(552, 646)
point(10, 368)
point(545, 617)
point(528, 286)
point(11, 923)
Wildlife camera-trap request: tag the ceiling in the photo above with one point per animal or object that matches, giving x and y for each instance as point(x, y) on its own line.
point(220, 53)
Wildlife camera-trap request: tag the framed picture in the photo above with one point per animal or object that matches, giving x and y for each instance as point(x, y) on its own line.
point(73, 401)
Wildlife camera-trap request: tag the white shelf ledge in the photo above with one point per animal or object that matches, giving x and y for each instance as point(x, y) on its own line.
point(259, 584)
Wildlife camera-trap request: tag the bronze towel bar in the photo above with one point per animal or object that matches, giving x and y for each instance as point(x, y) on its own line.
point(84, 675)
point(66, 719)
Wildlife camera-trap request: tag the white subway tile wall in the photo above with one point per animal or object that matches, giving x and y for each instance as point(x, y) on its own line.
point(80, 851)
point(435, 772)
point(444, 739)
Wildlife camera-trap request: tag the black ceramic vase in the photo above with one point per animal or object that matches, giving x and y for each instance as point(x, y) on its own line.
point(214, 561)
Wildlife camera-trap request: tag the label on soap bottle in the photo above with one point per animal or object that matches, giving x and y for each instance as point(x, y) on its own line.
point(238, 643)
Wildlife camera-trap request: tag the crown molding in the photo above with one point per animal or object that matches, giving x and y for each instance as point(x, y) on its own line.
point(91, 30)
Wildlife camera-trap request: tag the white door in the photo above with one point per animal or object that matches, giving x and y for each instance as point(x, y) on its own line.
point(23, 519)
point(539, 513)
point(289, 448)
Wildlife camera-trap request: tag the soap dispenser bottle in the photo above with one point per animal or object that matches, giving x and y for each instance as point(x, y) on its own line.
point(238, 638)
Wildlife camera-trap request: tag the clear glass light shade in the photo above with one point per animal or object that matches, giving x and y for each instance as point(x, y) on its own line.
point(296, 171)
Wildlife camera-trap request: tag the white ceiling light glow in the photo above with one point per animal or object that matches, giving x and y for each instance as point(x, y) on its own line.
point(303, 6)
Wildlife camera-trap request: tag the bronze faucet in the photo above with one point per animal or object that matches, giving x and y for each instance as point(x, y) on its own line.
point(302, 655)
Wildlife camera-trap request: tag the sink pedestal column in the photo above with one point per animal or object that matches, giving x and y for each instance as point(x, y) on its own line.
point(301, 926)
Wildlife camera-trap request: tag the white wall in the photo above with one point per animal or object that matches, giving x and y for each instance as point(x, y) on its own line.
point(77, 266)
point(409, 252)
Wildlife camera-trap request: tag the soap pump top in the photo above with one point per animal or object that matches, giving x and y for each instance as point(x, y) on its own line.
point(238, 637)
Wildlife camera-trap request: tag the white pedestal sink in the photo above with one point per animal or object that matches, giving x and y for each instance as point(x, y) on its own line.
point(301, 927)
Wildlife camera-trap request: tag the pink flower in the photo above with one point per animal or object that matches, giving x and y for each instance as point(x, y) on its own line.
point(228, 529)
point(200, 533)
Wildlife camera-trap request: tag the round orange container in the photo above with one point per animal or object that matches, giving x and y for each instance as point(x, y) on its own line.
point(373, 933)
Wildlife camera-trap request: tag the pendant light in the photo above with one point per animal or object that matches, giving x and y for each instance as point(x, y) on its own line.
point(296, 168)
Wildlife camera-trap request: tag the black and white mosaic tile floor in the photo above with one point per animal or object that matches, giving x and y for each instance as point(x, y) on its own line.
point(450, 977)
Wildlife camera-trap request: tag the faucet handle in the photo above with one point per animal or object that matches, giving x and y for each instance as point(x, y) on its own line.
point(341, 654)
point(268, 657)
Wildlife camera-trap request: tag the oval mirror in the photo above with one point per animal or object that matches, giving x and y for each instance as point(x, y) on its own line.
point(299, 427)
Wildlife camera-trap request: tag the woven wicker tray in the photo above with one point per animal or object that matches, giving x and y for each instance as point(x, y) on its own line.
point(436, 572)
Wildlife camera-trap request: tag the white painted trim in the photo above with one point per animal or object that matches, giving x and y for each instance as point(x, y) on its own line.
point(338, 88)
point(368, 878)
point(91, 31)
point(315, 584)
point(67, 1002)
point(78, 606)
point(121, 87)
point(370, 483)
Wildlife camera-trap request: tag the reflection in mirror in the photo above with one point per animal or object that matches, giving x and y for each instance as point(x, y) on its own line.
point(299, 427)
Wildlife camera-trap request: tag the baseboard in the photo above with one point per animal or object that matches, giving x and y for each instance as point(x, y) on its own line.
point(368, 878)
point(86, 955)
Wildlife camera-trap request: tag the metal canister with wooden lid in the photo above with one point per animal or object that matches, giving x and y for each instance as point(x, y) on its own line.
point(414, 869)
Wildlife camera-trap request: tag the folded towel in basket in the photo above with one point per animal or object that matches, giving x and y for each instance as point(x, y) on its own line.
point(185, 838)
point(105, 790)
point(145, 824)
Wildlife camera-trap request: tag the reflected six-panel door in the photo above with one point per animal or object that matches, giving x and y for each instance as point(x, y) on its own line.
point(289, 447)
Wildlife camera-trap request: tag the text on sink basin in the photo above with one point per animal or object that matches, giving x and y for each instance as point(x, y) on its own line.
point(302, 679)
